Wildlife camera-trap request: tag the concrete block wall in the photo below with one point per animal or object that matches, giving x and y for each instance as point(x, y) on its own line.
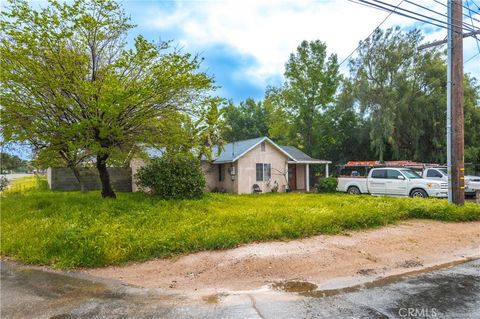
point(60, 178)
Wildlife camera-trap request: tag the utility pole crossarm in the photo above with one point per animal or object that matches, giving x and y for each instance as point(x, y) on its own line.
point(440, 42)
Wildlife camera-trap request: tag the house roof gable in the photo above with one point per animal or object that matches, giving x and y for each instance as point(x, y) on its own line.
point(231, 152)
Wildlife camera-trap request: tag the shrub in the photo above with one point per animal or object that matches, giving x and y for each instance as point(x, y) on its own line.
point(3, 182)
point(327, 185)
point(173, 177)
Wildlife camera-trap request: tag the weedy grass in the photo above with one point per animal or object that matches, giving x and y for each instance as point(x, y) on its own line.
point(74, 229)
point(24, 183)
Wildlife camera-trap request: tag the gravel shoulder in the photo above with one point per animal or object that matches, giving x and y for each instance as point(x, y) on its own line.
point(328, 261)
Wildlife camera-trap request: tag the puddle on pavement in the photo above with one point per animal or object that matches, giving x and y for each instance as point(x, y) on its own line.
point(50, 284)
point(300, 287)
point(308, 289)
point(211, 299)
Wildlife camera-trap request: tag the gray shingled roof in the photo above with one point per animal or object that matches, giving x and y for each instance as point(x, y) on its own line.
point(231, 151)
point(296, 153)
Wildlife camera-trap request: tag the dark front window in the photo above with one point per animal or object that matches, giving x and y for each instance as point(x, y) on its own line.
point(221, 173)
point(264, 171)
point(434, 173)
point(262, 146)
point(379, 173)
point(410, 174)
point(393, 174)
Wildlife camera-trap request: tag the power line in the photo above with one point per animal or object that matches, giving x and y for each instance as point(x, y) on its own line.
point(443, 4)
point(470, 14)
point(381, 23)
point(471, 58)
point(442, 14)
point(378, 7)
point(437, 22)
point(476, 5)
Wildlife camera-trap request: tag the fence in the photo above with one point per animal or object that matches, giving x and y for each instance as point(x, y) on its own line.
point(60, 178)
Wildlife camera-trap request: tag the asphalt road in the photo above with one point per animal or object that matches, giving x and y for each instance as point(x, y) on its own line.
point(448, 293)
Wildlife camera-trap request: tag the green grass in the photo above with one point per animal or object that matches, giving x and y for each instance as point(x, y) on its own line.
point(73, 229)
point(24, 183)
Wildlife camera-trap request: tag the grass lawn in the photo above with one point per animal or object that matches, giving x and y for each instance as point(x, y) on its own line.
point(73, 229)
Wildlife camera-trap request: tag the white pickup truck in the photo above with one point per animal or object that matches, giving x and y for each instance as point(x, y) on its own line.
point(472, 183)
point(393, 182)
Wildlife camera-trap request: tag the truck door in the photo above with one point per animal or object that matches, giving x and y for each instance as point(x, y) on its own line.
point(396, 183)
point(377, 181)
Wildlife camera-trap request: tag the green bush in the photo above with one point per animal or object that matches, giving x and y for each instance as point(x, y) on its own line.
point(3, 182)
point(173, 177)
point(327, 185)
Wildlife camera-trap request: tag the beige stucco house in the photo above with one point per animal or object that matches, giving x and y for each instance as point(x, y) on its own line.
point(259, 161)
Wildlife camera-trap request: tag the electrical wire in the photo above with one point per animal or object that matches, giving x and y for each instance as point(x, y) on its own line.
point(476, 38)
point(437, 22)
point(443, 15)
point(381, 23)
point(443, 4)
point(471, 58)
point(378, 7)
point(476, 5)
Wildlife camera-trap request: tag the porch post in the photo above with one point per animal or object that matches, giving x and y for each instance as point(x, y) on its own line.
point(307, 177)
point(286, 175)
point(326, 170)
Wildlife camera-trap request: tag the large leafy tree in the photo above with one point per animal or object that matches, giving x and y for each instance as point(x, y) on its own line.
point(381, 73)
point(71, 84)
point(9, 162)
point(311, 81)
point(472, 122)
point(248, 120)
point(401, 94)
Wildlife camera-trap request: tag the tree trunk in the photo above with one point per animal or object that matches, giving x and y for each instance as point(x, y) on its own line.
point(107, 190)
point(76, 172)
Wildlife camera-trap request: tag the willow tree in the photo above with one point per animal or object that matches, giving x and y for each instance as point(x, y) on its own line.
point(71, 82)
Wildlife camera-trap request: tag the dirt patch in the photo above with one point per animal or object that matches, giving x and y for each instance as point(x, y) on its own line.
point(317, 260)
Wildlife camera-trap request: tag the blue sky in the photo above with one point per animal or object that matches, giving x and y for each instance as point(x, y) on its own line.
point(246, 43)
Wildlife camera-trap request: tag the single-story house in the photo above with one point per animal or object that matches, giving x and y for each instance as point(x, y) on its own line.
point(259, 161)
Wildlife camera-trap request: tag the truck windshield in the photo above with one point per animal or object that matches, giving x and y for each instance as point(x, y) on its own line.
point(443, 171)
point(410, 174)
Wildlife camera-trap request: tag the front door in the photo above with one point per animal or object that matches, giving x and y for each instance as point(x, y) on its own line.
point(377, 181)
point(395, 186)
point(292, 176)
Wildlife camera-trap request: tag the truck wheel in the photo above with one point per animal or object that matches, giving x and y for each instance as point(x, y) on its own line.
point(418, 193)
point(353, 190)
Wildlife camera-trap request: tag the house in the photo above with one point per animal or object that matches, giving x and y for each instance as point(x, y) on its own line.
point(258, 161)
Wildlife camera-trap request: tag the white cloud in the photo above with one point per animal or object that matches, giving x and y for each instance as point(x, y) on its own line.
point(271, 30)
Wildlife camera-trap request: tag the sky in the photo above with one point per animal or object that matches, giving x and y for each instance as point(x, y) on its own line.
point(246, 43)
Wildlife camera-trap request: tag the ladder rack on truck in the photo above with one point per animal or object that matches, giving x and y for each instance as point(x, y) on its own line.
point(361, 168)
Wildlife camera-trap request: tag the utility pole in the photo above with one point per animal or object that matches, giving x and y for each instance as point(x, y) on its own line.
point(455, 119)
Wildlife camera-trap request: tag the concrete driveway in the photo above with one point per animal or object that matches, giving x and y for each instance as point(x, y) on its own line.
point(447, 293)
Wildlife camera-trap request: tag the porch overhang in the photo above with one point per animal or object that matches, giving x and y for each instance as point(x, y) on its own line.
point(310, 162)
point(307, 163)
